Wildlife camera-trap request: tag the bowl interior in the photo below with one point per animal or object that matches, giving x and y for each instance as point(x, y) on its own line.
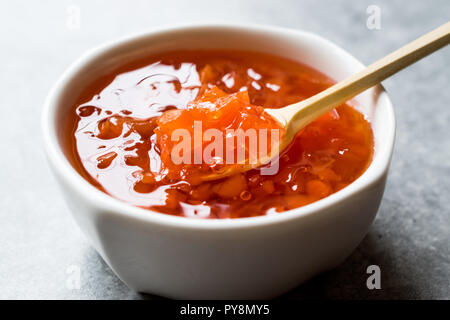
point(295, 45)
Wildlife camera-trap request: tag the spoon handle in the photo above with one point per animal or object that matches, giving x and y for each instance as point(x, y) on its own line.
point(298, 115)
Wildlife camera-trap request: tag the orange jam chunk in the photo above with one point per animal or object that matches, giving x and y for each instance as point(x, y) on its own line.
point(119, 135)
point(220, 111)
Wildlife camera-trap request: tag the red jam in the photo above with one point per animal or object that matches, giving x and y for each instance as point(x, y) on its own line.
point(214, 132)
point(118, 134)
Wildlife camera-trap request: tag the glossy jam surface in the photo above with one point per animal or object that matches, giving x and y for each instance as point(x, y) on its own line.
point(215, 132)
point(115, 136)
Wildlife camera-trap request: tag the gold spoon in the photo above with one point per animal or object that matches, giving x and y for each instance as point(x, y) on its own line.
point(296, 116)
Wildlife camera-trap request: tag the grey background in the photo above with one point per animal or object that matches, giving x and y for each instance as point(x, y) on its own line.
point(410, 239)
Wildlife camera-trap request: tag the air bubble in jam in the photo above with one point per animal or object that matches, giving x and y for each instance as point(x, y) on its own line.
point(105, 160)
point(117, 148)
point(86, 111)
point(245, 195)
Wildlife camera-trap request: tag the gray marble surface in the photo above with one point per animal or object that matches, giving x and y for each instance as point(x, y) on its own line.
point(39, 241)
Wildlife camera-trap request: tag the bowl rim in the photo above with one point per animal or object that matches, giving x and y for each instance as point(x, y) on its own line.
point(110, 205)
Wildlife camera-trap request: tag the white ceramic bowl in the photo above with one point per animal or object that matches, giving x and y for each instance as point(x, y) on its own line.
point(259, 257)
